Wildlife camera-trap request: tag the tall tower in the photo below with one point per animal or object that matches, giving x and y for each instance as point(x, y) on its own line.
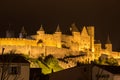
point(75, 38)
point(108, 45)
point(90, 30)
point(75, 33)
point(97, 48)
point(23, 33)
point(85, 39)
point(58, 36)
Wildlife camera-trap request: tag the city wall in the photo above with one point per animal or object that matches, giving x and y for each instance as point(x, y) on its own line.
point(30, 47)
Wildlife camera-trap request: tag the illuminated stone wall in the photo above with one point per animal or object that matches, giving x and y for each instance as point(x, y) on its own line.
point(57, 44)
point(17, 42)
point(78, 41)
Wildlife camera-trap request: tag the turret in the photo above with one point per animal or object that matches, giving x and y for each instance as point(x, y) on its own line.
point(85, 40)
point(90, 30)
point(22, 33)
point(75, 32)
point(97, 48)
point(58, 29)
point(76, 37)
point(9, 32)
point(73, 28)
point(108, 45)
point(41, 31)
point(40, 34)
point(58, 36)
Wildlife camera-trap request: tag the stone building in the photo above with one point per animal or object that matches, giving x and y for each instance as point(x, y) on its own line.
point(59, 44)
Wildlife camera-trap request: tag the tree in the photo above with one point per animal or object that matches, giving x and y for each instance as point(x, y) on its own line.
point(106, 61)
point(52, 63)
point(112, 61)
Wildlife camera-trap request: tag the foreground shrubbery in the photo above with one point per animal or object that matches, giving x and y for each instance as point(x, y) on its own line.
point(48, 64)
point(107, 61)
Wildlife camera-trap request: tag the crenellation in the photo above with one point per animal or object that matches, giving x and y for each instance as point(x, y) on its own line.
point(59, 45)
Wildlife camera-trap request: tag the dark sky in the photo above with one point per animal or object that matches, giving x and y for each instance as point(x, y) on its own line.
point(103, 14)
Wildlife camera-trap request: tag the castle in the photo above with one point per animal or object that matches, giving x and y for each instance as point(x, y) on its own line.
point(58, 44)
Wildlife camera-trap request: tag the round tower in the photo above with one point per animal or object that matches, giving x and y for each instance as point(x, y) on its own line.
point(108, 45)
point(9, 32)
point(23, 33)
point(85, 39)
point(97, 49)
point(40, 33)
point(90, 30)
point(75, 37)
point(75, 32)
point(58, 34)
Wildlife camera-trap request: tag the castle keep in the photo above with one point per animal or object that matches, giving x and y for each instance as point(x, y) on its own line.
point(58, 44)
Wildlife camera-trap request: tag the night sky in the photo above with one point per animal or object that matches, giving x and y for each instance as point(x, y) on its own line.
point(103, 14)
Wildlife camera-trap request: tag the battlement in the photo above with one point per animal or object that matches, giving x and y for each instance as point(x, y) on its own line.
point(17, 41)
point(11, 38)
point(57, 44)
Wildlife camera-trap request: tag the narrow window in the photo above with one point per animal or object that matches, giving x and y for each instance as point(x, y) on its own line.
point(14, 70)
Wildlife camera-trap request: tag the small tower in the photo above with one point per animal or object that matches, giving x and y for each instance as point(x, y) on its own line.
point(58, 36)
point(9, 32)
point(75, 32)
point(41, 30)
point(97, 48)
point(58, 29)
point(108, 45)
point(73, 28)
point(75, 37)
point(85, 40)
point(40, 34)
point(23, 33)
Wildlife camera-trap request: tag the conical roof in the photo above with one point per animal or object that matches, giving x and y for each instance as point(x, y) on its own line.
point(58, 29)
point(74, 28)
point(108, 40)
point(23, 30)
point(41, 28)
point(84, 31)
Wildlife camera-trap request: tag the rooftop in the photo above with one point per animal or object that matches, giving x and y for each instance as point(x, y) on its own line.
point(14, 58)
